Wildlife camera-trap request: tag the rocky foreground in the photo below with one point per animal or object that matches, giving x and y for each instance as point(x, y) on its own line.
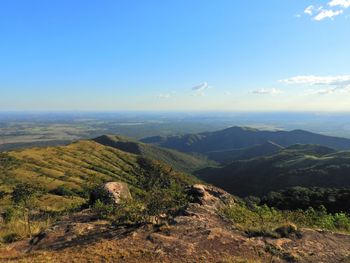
point(197, 234)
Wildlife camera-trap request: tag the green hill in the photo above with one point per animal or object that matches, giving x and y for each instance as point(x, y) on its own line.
point(307, 166)
point(74, 167)
point(178, 160)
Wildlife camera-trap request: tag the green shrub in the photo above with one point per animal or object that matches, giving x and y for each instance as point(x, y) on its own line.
point(24, 193)
point(2, 194)
point(166, 200)
point(103, 210)
point(341, 221)
point(24, 196)
point(100, 194)
point(127, 211)
point(9, 214)
point(262, 219)
point(130, 212)
point(63, 191)
point(10, 238)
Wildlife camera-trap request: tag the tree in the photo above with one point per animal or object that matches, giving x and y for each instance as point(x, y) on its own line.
point(24, 197)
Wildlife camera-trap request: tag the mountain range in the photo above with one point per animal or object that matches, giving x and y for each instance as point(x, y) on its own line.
point(243, 137)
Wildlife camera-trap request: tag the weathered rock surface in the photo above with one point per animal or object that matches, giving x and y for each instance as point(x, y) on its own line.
point(112, 192)
point(209, 195)
point(197, 235)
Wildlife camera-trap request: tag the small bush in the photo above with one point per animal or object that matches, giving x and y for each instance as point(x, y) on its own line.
point(2, 194)
point(166, 200)
point(63, 191)
point(9, 214)
point(263, 219)
point(130, 212)
point(10, 238)
point(103, 210)
point(286, 230)
point(100, 194)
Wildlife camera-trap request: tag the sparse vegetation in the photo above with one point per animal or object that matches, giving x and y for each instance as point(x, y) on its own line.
point(263, 220)
point(162, 195)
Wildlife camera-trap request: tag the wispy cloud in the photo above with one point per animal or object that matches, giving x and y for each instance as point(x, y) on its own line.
point(200, 89)
point(330, 84)
point(334, 8)
point(318, 80)
point(164, 96)
point(271, 91)
point(309, 10)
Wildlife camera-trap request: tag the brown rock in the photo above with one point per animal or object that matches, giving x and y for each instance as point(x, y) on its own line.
point(209, 195)
point(112, 192)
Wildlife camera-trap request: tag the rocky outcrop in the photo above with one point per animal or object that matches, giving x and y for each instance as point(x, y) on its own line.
point(197, 235)
point(209, 195)
point(112, 192)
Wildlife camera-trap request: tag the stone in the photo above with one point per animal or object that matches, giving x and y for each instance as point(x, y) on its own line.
point(208, 195)
point(111, 192)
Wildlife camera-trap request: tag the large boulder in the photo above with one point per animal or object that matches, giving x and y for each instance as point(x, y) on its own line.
point(111, 193)
point(209, 195)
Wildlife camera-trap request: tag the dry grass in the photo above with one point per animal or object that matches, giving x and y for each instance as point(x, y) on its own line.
point(231, 259)
point(20, 228)
point(73, 166)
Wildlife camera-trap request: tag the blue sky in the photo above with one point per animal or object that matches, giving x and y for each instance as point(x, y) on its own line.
point(175, 55)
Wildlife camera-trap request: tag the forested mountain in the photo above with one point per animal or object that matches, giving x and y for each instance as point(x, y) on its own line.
point(299, 165)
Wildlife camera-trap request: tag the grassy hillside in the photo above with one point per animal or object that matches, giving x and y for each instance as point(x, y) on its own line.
point(308, 166)
point(180, 161)
point(223, 157)
point(75, 167)
point(240, 137)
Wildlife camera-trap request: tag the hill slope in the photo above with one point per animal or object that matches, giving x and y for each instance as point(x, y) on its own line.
point(76, 167)
point(180, 161)
point(266, 148)
point(239, 137)
point(308, 166)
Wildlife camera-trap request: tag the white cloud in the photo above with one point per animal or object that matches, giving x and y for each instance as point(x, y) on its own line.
point(309, 10)
point(318, 80)
point(340, 3)
point(325, 13)
point(330, 84)
point(335, 8)
point(272, 91)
